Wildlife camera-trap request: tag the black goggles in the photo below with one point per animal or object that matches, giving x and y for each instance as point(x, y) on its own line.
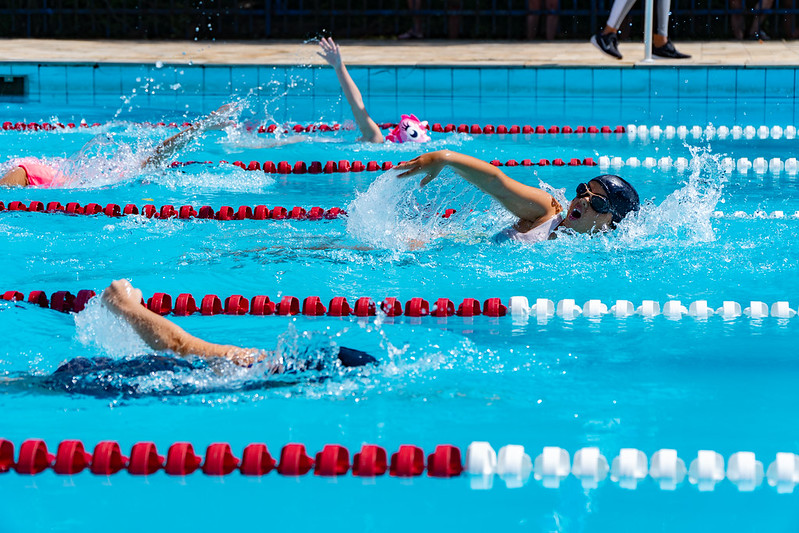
point(599, 203)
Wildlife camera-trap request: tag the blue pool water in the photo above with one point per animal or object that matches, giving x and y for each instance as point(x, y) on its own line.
point(723, 385)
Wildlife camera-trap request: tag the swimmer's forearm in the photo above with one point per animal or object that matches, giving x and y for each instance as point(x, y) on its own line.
point(524, 201)
point(161, 334)
point(369, 129)
point(171, 145)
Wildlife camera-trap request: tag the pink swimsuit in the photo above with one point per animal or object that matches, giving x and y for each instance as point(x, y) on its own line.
point(41, 175)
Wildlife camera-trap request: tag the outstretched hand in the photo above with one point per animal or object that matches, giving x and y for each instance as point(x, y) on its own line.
point(430, 165)
point(220, 119)
point(121, 296)
point(330, 52)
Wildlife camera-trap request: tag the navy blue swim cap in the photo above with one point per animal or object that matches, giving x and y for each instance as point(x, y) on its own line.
point(622, 196)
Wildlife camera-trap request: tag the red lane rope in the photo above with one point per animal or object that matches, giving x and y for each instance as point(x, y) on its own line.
point(334, 460)
point(186, 304)
point(331, 167)
point(224, 213)
point(474, 129)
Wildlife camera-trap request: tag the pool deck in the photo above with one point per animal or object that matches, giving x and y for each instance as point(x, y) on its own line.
point(532, 54)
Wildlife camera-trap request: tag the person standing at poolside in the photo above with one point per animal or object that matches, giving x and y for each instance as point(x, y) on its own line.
point(32, 172)
point(600, 204)
point(409, 129)
point(608, 42)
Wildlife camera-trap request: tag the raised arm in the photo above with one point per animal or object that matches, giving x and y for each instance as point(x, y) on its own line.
point(530, 204)
point(332, 54)
point(160, 334)
point(214, 121)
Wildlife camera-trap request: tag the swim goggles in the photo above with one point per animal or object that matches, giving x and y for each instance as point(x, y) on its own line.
point(599, 203)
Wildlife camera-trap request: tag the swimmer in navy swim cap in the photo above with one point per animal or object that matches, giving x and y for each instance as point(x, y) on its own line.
point(178, 352)
point(599, 205)
point(409, 128)
point(122, 299)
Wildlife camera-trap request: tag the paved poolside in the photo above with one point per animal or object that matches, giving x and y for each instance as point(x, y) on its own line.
point(559, 53)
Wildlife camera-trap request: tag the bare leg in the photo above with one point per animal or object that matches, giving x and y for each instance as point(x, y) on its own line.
point(16, 177)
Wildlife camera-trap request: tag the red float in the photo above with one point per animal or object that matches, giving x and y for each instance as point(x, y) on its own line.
point(33, 457)
point(339, 306)
point(407, 462)
point(371, 461)
point(181, 459)
point(312, 306)
point(333, 460)
point(261, 306)
point(256, 460)
point(236, 305)
point(107, 458)
point(219, 460)
point(289, 305)
point(294, 461)
point(144, 459)
point(211, 305)
point(444, 462)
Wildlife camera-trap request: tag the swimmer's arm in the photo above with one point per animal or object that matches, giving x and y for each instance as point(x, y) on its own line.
point(528, 203)
point(16, 177)
point(160, 334)
point(218, 119)
point(332, 54)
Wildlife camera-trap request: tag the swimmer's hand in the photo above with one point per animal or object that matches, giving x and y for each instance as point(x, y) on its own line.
point(330, 52)
point(220, 119)
point(430, 165)
point(121, 297)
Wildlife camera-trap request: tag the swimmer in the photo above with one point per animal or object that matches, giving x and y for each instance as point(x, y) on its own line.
point(181, 353)
point(599, 205)
point(160, 334)
point(409, 129)
point(32, 172)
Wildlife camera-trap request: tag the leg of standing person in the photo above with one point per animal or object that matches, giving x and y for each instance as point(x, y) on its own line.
point(416, 30)
point(532, 19)
point(606, 40)
point(737, 19)
point(756, 31)
point(454, 18)
point(661, 45)
point(553, 6)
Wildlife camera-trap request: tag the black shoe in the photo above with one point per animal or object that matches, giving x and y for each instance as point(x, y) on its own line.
point(668, 51)
point(609, 44)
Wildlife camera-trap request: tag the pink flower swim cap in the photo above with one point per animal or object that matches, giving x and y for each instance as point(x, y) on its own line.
point(409, 129)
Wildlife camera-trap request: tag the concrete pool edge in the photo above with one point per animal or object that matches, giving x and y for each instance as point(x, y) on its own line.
point(562, 54)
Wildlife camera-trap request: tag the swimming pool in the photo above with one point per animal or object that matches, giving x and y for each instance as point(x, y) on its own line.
point(646, 383)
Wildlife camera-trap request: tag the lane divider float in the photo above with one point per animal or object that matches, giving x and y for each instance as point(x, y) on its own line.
point(345, 166)
point(512, 464)
point(224, 213)
point(517, 307)
point(709, 132)
point(474, 129)
point(743, 166)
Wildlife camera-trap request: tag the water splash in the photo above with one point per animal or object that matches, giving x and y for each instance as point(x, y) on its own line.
point(97, 327)
point(685, 215)
point(396, 214)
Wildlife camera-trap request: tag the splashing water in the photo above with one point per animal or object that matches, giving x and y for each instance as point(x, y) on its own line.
point(397, 214)
point(98, 327)
point(685, 214)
